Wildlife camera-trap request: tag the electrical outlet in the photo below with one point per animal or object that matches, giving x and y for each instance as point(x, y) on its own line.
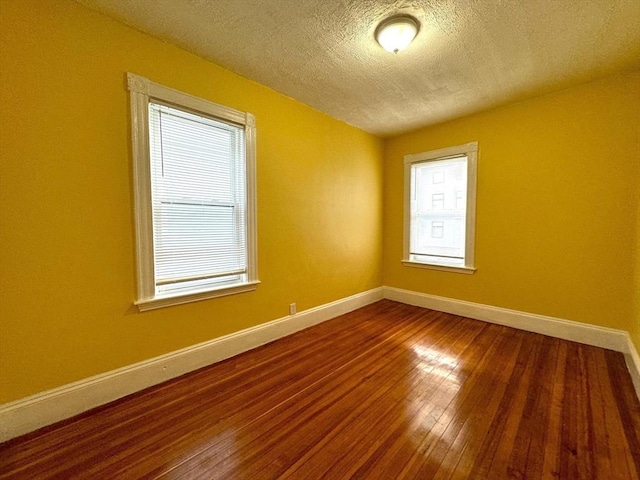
point(292, 309)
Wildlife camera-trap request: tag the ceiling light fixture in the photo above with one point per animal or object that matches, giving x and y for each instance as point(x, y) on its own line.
point(396, 33)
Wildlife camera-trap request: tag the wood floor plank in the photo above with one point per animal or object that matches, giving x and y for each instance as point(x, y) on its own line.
point(499, 439)
point(249, 421)
point(472, 416)
point(598, 411)
point(576, 442)
point(413, 437)
point(628, 407)
point(429, 465)
point(551, 448)
point(375, 368)
point(247, 414)
point(527, 456)
point(162, 397)
point(483, 419)
point(363, 419)
point(345, 453)
point(387, 391)
point(225, 399)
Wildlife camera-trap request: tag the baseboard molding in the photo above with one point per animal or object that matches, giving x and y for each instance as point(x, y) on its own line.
point(610, 338)
point(37, 411)
point(633, 362)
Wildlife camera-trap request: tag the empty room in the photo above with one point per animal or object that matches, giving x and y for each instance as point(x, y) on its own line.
point(320, 239)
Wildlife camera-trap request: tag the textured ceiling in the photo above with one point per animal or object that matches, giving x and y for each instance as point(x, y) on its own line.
point(470, 55)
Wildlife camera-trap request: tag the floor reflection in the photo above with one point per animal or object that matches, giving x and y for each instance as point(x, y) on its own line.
point(434, 362)
point(431, 407)
point(211, 453)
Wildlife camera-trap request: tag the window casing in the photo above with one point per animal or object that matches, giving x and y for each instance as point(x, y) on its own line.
point(439, 209)
point(195, 201)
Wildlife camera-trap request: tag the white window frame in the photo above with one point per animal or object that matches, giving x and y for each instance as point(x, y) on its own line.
point(471, 152)
point(142, 91)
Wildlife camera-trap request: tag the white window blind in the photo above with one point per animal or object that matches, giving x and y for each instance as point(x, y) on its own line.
point(194, 172)
point(198, 200)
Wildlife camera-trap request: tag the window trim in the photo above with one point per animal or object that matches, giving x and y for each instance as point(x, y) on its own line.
point(141, 92)
point(471, 151)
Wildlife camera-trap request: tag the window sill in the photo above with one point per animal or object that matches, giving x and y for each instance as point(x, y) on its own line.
point(170, 300)
point(444, 268)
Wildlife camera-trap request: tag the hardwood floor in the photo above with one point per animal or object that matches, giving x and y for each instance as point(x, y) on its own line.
point(388, 391)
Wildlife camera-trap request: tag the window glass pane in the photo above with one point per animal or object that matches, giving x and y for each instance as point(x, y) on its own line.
point(438, 210)
point(437, 229)
point(437, 201)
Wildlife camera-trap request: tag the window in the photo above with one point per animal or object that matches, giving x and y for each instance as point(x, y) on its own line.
point(439, 218)
point(194, 175)
point(437, 201)
point(437, 229)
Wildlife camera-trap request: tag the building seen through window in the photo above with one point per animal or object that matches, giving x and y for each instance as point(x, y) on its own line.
point(439, 209)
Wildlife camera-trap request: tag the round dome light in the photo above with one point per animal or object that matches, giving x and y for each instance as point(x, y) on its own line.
point(396, 33)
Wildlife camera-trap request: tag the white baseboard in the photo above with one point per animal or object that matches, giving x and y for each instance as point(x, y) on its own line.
point(633, 362)
point(34, 412)
point(610, 338)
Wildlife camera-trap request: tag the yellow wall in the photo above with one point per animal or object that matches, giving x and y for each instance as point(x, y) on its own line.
point(557, 206)
point(67, 252)
point(634, 328)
